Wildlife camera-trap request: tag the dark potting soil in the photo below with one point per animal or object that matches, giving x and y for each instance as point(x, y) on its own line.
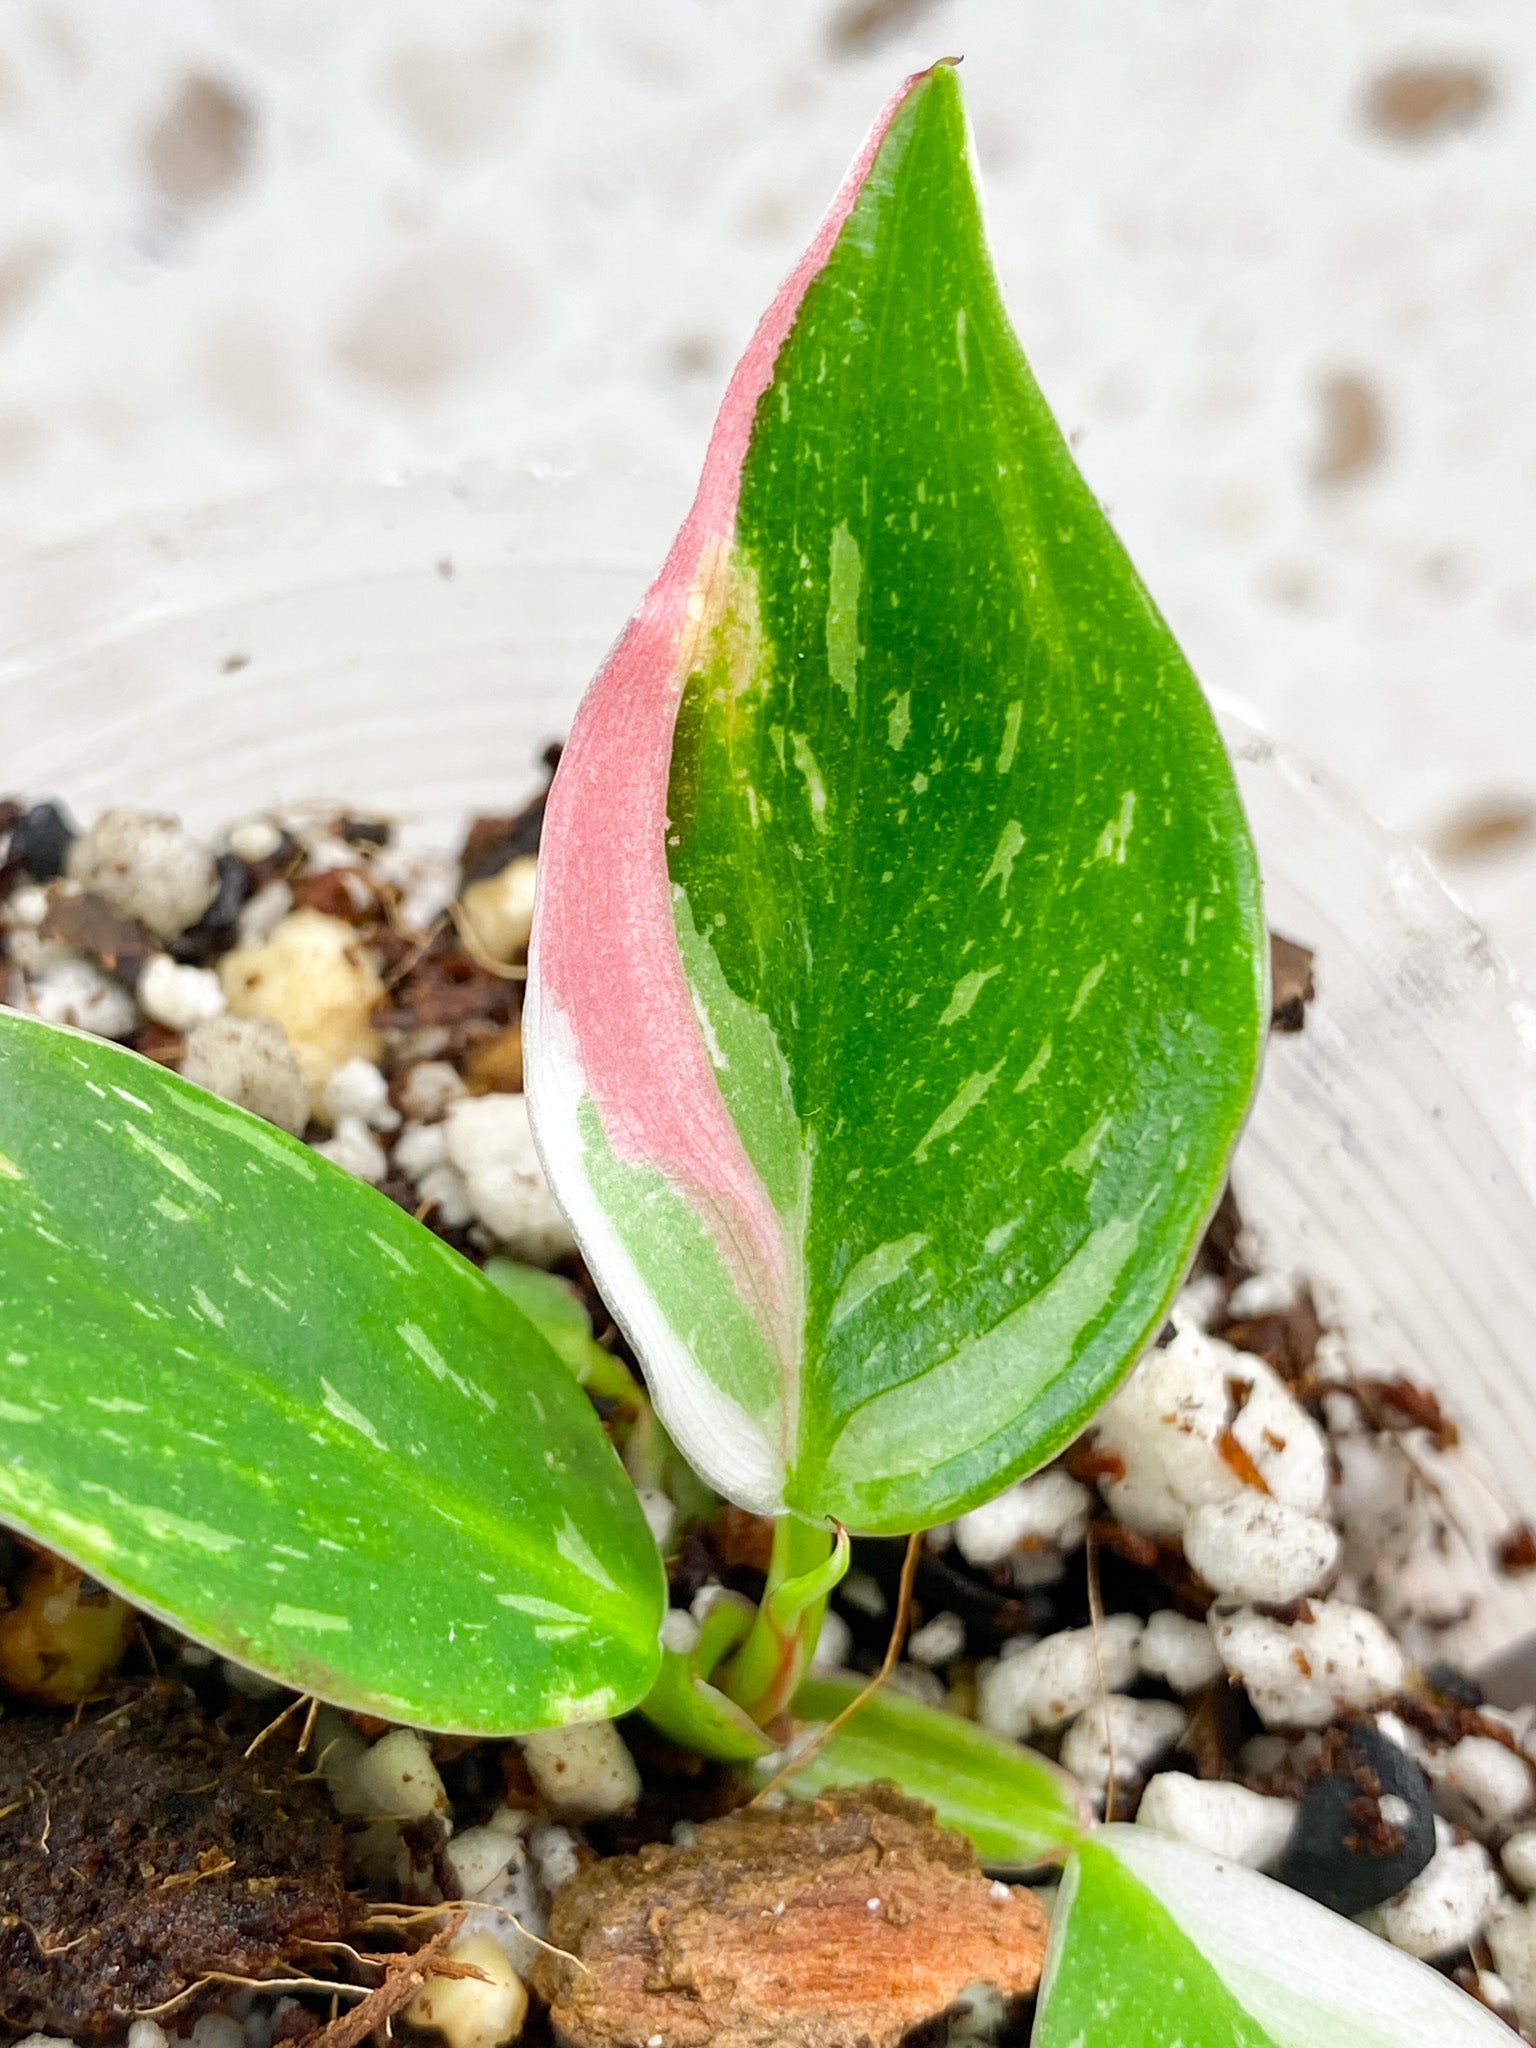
point(140, 1848)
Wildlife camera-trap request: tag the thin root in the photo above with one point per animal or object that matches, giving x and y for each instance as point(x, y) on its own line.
point(1096, 1623)
point(273, 1726)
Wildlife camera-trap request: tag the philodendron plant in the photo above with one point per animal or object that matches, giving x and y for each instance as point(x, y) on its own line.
point(896, 996)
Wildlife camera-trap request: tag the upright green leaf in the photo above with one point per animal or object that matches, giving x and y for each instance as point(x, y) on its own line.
point(251, 1394)
point(1158, 1945)
point(898, 977)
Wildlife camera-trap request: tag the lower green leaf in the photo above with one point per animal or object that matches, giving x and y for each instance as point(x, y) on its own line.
point(1018, 1808)
point(1155, 1944)
point(251, 1394)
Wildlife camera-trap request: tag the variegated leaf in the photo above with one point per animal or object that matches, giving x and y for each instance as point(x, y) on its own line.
point(1155, 1944)
point(898, 975)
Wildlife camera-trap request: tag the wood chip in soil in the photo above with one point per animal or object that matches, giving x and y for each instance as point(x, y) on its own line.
point(839, 1922)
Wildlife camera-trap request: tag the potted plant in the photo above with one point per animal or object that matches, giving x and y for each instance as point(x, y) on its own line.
point(896, 997)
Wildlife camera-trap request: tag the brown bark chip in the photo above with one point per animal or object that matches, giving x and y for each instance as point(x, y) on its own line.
point(839, 1922)
point(140, 1850)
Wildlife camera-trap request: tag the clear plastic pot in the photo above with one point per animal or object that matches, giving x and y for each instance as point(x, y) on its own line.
point(414, 646)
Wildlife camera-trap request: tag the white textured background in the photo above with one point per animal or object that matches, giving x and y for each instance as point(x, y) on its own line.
point(1280, 288)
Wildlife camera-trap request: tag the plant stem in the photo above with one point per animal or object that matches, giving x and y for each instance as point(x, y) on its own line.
point(807, 1562)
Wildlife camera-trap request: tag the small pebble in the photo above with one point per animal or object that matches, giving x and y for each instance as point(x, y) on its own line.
point(354, 1148)
point(1179, 1652)
point(1447, 1905)
point(1049, 1510)
point(1301, 1674)
point(1228, 1820)
point(473, 2012)
point(179, 997)
point(248, 1061)
point(490, 1141)
point(583, 1770)
point(1255, 1548)
point(428, 1089)
point(499, 910)
point(660, 1514)
point(1133, 1733)
point(69, 990)
point(40, 842)
point(1479, 1783)
point(315, 978)
point(147, 865)
point(1518, 1856)
point(1168, 1422)
point(147, 2034)
point(1329, 1857)
point(938, 1641)
point(1055, 1679)
point(26, 906)
point(257, 839)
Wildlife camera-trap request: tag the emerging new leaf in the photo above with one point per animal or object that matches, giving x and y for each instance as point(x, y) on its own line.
point(898, 977)
point(1158, 1945)
point(254, 1396)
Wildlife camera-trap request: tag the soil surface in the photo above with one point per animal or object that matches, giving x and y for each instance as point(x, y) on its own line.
point(140, 1849)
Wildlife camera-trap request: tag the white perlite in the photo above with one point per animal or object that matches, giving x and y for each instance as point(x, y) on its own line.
point(69, 990)
point(248, 1061)
point(1178, 1651)
point(1049, 1510)
point(355, 1148)
point(1518, 1857)
point(583, 1770)
point(428, 1088)
point(1167, 1423)
point(358, 1089)
point(490, 1142)
point(1299, 1674)
point(1054, 1680)
point(397, 1779)
point(1447, 1904)
point(178, 997)
point(833, 1643)
point(147, 865)
point(478, 1858)
point(1480, 1783)
point(1229, 1820)
point(1512, 1937)
point(1135, 1733)
point(938, 1641)
point(1255, 1548)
